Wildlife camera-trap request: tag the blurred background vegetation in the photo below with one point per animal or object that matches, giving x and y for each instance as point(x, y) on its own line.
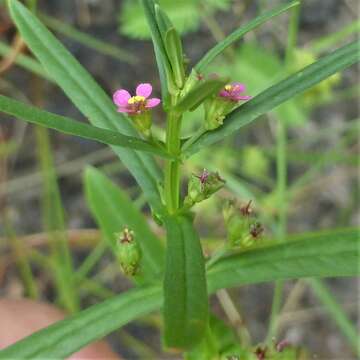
point(41, 186)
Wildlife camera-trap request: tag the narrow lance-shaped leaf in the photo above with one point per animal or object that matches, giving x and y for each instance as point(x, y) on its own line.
point(324, 254)
point(174, 49)
point(185, 294)
point(172, 45)
point(25, 61)
point(113, 210)
point(278, 94)
point(321, 254)
point(159, 48)
point(65, 337)
point(86, 94)
point(237, 34)
point(200, 92)
point(72, 127)
point(88, 40)
point(54, 224)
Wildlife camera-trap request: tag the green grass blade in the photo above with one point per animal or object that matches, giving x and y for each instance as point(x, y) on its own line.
point(325, 42)
point(25, 62)
point(54, 224)
point(198, 93)
point(65, 337)
point(88, 40)
point(337, 313)
point(22, 261)
point(185, 294)
point(239, 33)
point(87, 95)
point(162, 60)
point(308, 255)
point(72, 127)
point(279, 93)
point(299, 257)
point(113, 210)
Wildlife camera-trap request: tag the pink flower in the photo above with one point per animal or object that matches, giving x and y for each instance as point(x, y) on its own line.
point(232, 92)
point(138, 104)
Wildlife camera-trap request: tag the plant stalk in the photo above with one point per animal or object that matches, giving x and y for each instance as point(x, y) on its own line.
point(172, 167)
point(281, 169)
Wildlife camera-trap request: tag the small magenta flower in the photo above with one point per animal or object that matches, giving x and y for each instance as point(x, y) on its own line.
point(226, 101)
point(233, 92)
point(138, 104)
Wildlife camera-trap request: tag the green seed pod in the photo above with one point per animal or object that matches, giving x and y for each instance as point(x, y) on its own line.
point(215, 111)
point(129, 252)
point(202, 187)
point(143, 122)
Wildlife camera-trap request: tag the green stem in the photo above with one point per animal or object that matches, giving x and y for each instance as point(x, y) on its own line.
point(337, 313)
point(22, 260)
point(172, 167)
point(201, 131)
point(281, 163)
point(281, 169)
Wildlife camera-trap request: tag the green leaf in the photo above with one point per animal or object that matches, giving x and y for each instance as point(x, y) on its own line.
point(185, 294)
point(175, 54)
point(54, 224)
point(113, 210)
point(184, 14)
point(325, 42)
point(60, 340)
point(173, 47)
point(162, 60)
point(337, 313)
point(87, 95)
point(201, 91)
point(239, 33)
point(279, 93)
point(25, 62)
point(324, 254)
point(72, 127)
point(88, 40)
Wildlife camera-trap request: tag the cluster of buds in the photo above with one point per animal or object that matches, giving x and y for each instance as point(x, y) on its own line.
point(223, 103)
point(279, 351)
point(128, 252)
point(201, 187)
point(243, 230)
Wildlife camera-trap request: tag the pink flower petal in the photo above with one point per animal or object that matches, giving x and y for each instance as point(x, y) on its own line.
point(121, 97)
point(238, 88)
point(224, 93)
point(152, 103)
point(241, 85)
point(144, 90)
point(244, 97)
point(125, 110)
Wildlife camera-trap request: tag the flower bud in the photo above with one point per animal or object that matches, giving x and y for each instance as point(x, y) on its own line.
point(215, 111)
point(242, 230)
point(129, 253)
point(202, 187)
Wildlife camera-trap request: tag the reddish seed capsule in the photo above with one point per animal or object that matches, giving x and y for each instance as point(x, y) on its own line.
point(246, 210)
point(261, 353)
point(281, 345)
point(256, 230)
